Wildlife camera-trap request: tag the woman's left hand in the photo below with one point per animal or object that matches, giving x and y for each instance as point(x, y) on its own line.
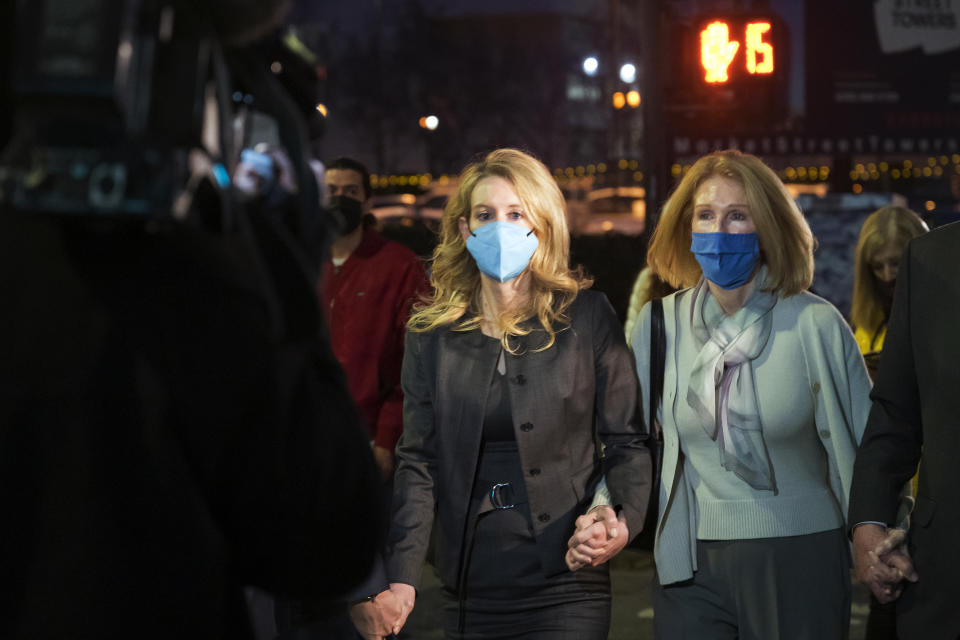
point(599, 536)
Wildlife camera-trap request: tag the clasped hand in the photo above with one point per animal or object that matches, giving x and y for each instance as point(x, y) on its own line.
point(386, 614)
point(600, 535)
point(882, 561)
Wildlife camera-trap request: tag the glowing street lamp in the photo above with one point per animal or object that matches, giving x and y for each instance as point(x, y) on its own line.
point(430, 122)
point(628, 73)
point(591, 65)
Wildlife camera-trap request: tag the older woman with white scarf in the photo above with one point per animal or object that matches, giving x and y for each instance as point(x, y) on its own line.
point(765, 399)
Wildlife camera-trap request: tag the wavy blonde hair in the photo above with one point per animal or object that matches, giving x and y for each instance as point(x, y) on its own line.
point(786, 242)
point(455, 278)
point(887, 224)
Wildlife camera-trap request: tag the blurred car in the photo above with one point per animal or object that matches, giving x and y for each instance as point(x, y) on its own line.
point(394, 205)
point(431, 205)
point(619, 209)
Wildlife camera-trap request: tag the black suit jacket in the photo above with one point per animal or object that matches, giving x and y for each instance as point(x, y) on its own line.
point(916, 409)
point(564, 399)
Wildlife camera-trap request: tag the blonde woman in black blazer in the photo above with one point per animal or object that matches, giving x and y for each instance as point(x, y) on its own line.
point(520, 393)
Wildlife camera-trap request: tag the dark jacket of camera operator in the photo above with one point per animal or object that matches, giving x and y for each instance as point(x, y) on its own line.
point(160, 446)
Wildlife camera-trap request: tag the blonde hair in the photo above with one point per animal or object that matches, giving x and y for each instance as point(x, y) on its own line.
point(455, 278)
point(786, 242)
point(885, 225)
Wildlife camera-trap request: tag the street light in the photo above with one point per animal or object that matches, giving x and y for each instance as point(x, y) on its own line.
point(590, 65)
point(628, 73)
point(429, 122)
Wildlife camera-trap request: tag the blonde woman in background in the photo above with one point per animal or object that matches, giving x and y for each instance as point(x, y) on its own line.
point(883, 237)
point(513, 375)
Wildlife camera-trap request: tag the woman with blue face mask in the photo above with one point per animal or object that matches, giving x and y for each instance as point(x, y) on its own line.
point(765, 399)
point(514, 375)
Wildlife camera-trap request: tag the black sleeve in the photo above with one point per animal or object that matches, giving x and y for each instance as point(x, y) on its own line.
point(890, 449)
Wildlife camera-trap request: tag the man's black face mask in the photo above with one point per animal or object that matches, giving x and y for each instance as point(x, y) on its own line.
point(345, 212)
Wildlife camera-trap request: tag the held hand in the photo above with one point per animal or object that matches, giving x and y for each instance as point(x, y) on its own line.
point(406, 595)
point(376, 619)
point(600, 535)
point(893, 551)
point(384, 459)
point(883, 573)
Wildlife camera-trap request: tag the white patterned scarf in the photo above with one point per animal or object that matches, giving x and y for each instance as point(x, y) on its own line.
point(722, 388)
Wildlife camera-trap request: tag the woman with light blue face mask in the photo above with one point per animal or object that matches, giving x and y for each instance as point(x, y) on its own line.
point(513, 374)
point(765, 398)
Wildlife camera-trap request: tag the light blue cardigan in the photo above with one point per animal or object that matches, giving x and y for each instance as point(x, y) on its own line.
point(837, 382)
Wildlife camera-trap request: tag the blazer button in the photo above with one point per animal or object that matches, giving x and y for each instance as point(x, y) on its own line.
point(520, 379)
point(544, 517)
point(526, 426)
point(816, 387)
point(535, 471)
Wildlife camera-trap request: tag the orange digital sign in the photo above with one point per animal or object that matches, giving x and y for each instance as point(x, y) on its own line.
point(718, 52)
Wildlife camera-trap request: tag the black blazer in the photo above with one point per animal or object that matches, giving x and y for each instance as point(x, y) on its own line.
point(916, 404)
point(564, 400)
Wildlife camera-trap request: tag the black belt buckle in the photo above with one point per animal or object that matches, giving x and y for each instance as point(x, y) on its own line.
point(497, 498)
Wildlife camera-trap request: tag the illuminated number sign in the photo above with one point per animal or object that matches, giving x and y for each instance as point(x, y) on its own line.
point(719, 49)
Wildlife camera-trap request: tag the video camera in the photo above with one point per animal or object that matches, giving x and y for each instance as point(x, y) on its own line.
point(127, 107)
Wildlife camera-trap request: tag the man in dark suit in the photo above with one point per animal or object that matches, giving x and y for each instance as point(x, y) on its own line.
point(916, 408)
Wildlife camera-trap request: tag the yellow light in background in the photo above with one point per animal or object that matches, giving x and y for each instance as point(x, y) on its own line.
point(637, 176)
point(633, 99)
point(408, 198)
point(619, 100)
point(607, 225)
point(602, 167)
point(895, 174)
point(938, 171)
point(423, 122)
point(907, 173)
point(580, 171)
point(884, 167)
point(675, 170)
point(930, 205)
point(944, 160)
point(927, 172)
point(956, 158)
point(802, 172)
point(931, 161)
point(858, 188)
point(591, 169)
point(569, 172)
point(859, 168)
point(907, 164)
point(871, 167)
point(622, 164)
point(322, 109)
point(791, 173)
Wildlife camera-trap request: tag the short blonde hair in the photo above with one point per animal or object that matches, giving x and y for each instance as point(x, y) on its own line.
point(456, 278)
point(887, 224)
point(786, 242)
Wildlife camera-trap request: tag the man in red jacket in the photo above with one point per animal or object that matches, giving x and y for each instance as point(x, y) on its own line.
point(368, 290)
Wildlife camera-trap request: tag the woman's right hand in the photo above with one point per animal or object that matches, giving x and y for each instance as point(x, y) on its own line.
point(407, 596)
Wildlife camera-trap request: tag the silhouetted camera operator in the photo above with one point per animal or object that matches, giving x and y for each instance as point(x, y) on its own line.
point(173, 425)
